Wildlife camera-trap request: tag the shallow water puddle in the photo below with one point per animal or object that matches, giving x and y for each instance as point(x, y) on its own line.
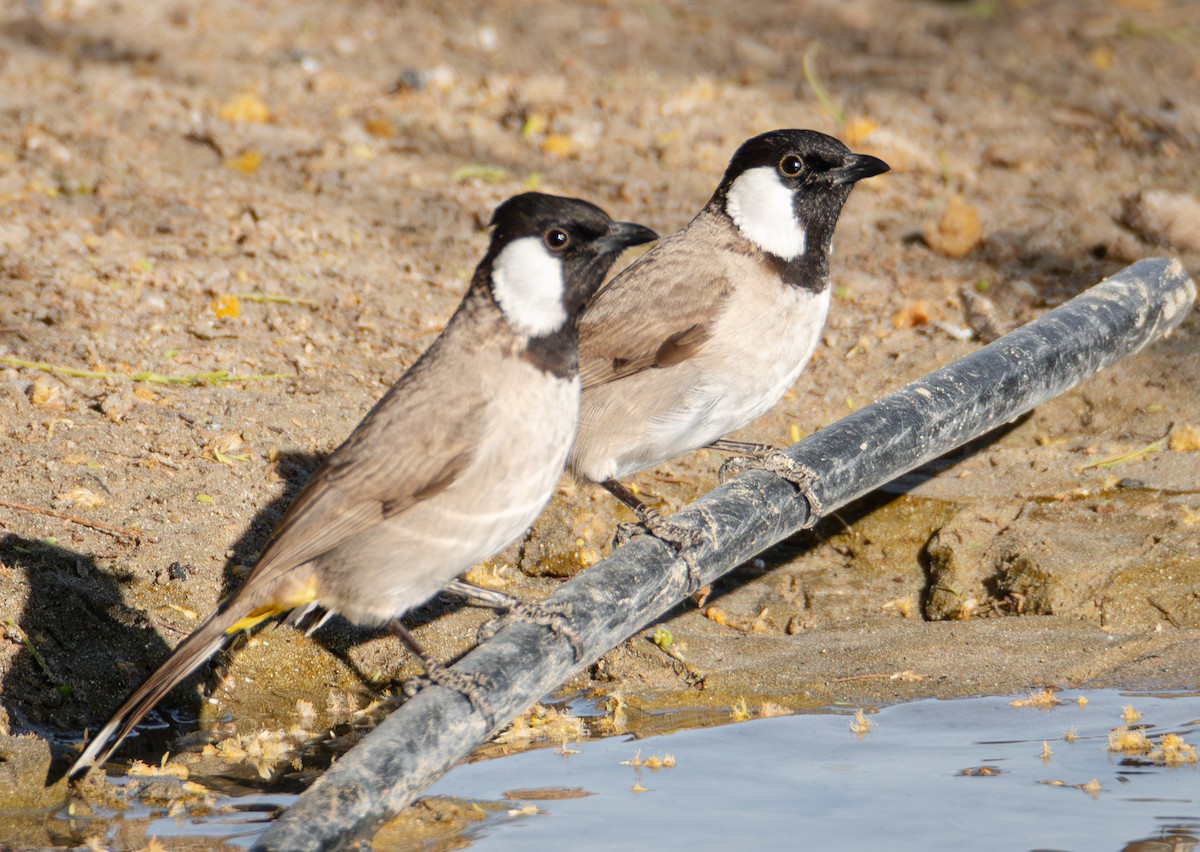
point(968, 773)
point(920, 778)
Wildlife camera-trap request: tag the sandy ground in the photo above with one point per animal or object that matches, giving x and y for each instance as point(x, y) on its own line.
point(279, 204)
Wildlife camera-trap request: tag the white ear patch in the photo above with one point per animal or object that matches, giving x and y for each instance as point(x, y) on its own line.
point(763, 209)
point(527, 282)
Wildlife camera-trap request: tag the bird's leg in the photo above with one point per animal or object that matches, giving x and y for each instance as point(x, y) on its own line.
point(467, 684)
point(552, 616)
point(765, 457)
point(649, 519)
point(679, 538)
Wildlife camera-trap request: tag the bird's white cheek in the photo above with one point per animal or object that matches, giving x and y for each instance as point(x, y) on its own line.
point(764, 210)
point(527, 282)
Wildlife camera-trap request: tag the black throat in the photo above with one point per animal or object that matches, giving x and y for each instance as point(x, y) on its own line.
point(809, 271)
point(557, 353)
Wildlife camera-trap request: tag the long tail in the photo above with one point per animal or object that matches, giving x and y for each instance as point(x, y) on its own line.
point(192, 653)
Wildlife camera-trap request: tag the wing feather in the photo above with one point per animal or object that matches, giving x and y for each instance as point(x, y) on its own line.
point(355, 489)
point(622, 335)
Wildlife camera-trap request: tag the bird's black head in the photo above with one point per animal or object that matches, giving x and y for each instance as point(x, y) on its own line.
point(785, 189)
point(548, 257)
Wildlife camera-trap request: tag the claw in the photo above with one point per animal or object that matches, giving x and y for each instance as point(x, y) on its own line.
point(467, 684)
point(763, 457)
point(554, 617)
point(681, 539)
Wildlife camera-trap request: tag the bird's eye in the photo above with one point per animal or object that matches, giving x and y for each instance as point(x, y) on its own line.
point(791, 165)
point(556, 239)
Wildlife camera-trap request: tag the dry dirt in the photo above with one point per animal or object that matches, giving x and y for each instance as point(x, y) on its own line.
point(281, 202)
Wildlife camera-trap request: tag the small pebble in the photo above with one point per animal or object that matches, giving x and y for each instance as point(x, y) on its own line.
point(1159, 216)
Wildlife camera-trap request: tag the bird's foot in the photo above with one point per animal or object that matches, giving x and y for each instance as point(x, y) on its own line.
point(468, 684)
point(554, 617)
point(681, 539)
point(776, 461)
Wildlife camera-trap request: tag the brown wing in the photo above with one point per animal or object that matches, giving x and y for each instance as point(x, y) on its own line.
point(658, 312)
point(414, 444)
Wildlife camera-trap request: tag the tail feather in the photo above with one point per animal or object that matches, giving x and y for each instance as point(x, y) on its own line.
point(192, 653)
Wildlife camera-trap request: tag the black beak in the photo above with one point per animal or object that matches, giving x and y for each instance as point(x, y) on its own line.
point(622, 235)
point(857, 167)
